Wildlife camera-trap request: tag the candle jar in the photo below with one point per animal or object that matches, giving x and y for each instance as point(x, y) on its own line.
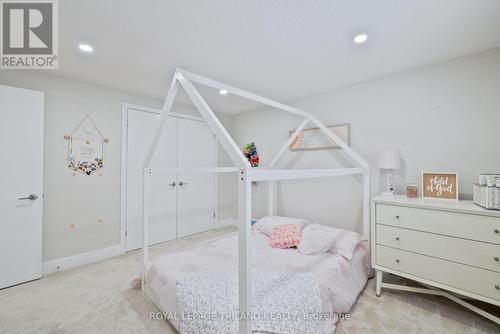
point(411, 190)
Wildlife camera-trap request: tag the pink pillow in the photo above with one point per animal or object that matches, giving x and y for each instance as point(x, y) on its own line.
point(286, 236)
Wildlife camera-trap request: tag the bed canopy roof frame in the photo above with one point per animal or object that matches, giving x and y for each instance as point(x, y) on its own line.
point(246, 174)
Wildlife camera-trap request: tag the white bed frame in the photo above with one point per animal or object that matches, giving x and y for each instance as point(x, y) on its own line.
point(245, 173)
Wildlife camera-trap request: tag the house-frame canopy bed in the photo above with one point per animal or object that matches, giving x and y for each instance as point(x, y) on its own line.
point(245, 173)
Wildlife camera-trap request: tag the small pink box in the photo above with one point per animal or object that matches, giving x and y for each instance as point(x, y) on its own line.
point(411, 190)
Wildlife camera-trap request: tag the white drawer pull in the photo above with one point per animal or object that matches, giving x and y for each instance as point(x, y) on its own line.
point(496, 231)
point(496, 258)
point(497, 286)
point(397, 238)
point(397, 260)
point(397, 217)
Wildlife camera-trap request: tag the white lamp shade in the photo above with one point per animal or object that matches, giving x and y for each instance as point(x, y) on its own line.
point(389, 158)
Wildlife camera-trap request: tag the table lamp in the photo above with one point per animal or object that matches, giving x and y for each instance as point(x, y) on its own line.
point(389, 159)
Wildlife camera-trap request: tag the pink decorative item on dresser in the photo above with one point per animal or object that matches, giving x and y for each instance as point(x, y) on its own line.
point(286, 236)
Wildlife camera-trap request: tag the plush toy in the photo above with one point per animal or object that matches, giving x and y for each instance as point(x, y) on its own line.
point(250, 151)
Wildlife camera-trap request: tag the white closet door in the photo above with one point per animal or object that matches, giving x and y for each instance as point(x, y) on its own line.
point(21, 194)
point(163, 196)
point(195, 208)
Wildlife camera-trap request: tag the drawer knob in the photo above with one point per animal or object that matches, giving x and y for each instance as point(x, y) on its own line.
point(397, 260)
point(496, 258)
point(397, 238)
point(497, 286)
point(496, 231)
point(397, 217)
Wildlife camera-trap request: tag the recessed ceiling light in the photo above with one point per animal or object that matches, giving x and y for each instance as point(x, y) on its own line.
point(85, 48)
point(223, 92)
point(360, 39)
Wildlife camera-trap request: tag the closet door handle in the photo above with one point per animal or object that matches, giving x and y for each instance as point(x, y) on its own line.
point(32, 197)
point(182, 183)
point(173, 184)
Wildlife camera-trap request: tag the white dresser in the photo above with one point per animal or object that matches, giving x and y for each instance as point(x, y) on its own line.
point(442, 244)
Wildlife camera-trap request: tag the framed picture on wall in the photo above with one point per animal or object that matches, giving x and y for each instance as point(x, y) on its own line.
point(440, 185)
point(315, 139)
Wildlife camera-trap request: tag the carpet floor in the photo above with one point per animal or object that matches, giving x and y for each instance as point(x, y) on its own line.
point(97, 299)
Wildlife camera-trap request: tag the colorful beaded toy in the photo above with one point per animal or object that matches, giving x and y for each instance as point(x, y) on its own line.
point(250, 151)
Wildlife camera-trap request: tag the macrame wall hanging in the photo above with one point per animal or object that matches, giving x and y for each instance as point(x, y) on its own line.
point(86, 147)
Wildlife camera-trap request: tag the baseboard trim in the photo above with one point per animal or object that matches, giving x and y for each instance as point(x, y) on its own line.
point(226, 222)
point(78, 260)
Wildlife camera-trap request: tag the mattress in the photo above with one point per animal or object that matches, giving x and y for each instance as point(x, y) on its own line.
point(340, 281)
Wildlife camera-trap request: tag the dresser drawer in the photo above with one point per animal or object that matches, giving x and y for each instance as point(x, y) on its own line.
point(473, 253)
point(475, 227)
point(479, 281)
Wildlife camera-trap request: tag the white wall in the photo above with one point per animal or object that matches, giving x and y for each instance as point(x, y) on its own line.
point(91, 203)
point(444, 117)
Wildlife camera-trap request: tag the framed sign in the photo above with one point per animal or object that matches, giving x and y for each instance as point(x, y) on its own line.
point(440, 185)
point(315, 139)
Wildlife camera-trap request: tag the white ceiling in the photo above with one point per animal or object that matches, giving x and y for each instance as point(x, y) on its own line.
point(282, 49)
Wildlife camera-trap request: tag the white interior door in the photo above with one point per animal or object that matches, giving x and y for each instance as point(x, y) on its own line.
point(196, 201)
point(163, 188)
point(21, 173)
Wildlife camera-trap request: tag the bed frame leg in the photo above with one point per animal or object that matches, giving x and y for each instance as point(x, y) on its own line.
point(244, 251)
point(378, 282)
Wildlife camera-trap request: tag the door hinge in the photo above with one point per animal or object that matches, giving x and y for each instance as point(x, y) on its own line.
point(125, 232)
point(214, 214)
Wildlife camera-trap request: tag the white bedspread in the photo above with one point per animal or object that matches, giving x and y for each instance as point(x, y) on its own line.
point(339, 280)
point(281, 303)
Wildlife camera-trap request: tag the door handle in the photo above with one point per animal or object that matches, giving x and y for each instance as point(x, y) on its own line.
point(32, 197)
point(173, 184)
point(182, 183)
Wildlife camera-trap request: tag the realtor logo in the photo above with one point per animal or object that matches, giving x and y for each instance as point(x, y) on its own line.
point(29, 34)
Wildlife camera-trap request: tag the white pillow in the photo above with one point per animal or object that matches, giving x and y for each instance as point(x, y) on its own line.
point(268, 223)
point(318, 239)
point(315, 240)
point(345, 243)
